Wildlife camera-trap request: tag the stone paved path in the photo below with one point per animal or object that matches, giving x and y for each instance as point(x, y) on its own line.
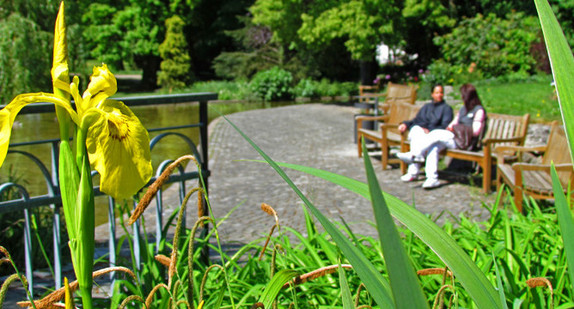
point(315, 135)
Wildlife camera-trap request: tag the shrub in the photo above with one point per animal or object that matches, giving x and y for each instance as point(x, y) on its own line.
point(175, 67)
point(307, 88)
point(497, 46)
point(273, 84)
point(440, 72)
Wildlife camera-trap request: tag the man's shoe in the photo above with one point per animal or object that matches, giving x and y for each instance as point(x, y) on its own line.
point(408, 177)
point(431, 183)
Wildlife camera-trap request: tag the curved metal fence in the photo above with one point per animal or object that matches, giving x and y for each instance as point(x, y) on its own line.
point(52, 199)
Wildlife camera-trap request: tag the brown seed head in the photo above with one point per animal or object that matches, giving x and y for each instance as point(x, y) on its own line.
point(270, 211)
point(539, 281)
point(164, 260)
point(59, 294)
point(434, 271)
point(155, 186)
point(323, 271)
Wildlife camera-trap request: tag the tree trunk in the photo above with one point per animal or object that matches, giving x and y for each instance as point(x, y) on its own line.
point(368, 71)
point(150, 66)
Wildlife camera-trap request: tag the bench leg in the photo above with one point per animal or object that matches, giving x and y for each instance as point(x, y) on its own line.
point(384, 157)
point(359, 145)
point(518, 198)
point(486, 178)
point(384, 153)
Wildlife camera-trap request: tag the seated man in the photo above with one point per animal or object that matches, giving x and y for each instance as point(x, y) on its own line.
point(434, 115)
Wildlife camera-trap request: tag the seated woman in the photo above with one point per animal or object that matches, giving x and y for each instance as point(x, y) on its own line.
point(472, 114)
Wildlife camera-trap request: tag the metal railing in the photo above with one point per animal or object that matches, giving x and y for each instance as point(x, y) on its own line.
point(52, 198)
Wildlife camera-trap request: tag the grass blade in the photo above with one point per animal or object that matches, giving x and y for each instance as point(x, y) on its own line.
point(370, 276)
point(275, 285)
point(469, 275)
point(499, 282)
point(404, 283)
point(347, 297)
point(565, 221)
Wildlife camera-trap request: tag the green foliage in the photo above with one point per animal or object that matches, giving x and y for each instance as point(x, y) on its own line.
point(175, 67)
point(24, 57)
point(307, 88)
point(497, 46)
point(226, 90)
point(273, 84)
point(441, 72)
point(129, 34)
point(103, 35)
point(366, 25)
point(564, 10)
point(256, 52)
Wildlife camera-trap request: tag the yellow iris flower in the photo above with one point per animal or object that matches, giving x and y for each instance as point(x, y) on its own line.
point(117, 142)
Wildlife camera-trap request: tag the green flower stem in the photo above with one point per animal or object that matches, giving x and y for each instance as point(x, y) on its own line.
point(83, 224)
point(85, 228)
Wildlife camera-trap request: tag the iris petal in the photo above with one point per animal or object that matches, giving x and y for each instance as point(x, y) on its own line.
point(118, 147)
point(101, 81)
point(60, 75)
point(8, 115)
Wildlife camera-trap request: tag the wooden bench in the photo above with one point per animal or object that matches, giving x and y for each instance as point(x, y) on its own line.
point(534, 179)
point(395, 93)
point(501, 130)
point(388, 134)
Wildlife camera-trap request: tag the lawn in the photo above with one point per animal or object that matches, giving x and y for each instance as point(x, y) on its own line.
point(536, 97)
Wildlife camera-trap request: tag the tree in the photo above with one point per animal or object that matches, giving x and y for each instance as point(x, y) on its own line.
point(363, 24)
point(206, 32)
point(423, 20)
point(130, 33)
point(305, 30)
point(25, 58)
point(176, 65)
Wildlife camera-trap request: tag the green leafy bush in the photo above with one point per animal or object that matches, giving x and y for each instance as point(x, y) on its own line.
point(496, 46)
point(307, 88)
point(273, 85)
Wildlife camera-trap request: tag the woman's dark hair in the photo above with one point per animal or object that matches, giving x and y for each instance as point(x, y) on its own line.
point(469, 96)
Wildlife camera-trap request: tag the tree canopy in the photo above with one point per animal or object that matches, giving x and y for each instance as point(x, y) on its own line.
point(323, 38)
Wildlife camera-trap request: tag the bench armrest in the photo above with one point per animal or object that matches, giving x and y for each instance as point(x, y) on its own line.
point(540, 167)
point(377, 118)
point(385, 126)
point(501, 150)
point(521, 148)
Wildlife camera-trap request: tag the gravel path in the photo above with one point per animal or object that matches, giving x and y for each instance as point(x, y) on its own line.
point(319, 136)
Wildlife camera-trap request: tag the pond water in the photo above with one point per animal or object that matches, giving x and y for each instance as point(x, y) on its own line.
point(34, 127)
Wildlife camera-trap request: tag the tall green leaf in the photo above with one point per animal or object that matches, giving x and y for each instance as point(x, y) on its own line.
point(370, 276)
point(565, 221)
point(562, 63)
point(404, 283)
